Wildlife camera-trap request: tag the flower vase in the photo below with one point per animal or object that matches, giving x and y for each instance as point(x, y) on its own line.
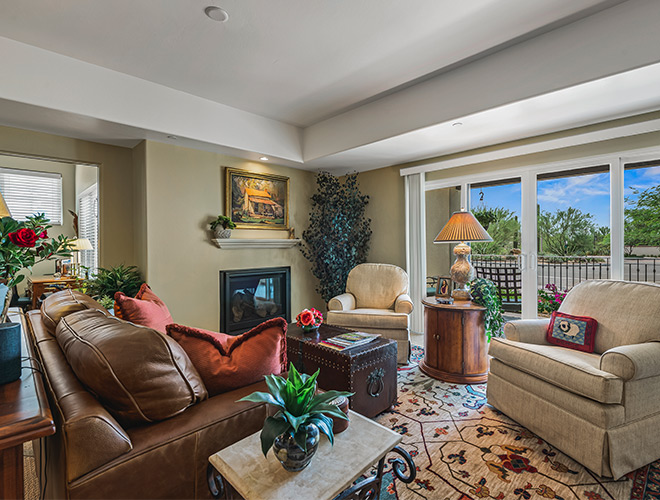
point(10, 341)
point(310, 328)
point(292, 457)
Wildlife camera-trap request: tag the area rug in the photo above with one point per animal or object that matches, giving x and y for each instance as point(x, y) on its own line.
point(465, 449)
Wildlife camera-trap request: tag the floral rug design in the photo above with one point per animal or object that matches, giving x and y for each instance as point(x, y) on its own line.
point(465, 449)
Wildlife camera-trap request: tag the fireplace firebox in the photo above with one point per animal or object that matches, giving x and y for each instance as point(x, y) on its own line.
point(249, 297)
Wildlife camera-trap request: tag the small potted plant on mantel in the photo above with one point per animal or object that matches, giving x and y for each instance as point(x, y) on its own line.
point(222, 226)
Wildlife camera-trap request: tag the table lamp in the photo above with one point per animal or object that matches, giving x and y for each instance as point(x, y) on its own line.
point(76, 246)
point(4, 209)
point(461, 228)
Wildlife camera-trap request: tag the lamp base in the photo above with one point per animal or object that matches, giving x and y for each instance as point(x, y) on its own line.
point(462, 272)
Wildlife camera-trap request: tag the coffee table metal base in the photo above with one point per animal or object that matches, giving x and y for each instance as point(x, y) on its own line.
point(367, 489)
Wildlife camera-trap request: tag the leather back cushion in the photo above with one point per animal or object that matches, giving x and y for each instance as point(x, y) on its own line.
point(376, 286)
point(627, 312)
point(227, 362)
point(139, 375)
point(61, 304)
point(144, 309)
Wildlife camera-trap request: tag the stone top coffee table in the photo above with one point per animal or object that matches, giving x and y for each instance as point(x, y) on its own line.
point(330, 474)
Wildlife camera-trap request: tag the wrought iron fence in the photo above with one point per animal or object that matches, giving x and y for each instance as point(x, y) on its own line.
point(562, 271)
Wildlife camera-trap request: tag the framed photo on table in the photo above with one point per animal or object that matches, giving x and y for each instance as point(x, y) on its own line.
point(443, 287)
point(257, 201)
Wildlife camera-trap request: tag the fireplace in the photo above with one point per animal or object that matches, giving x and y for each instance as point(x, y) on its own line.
point(249, 297)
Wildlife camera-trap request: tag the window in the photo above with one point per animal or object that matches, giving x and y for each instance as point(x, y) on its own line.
point(27, 192)
point(88, 226)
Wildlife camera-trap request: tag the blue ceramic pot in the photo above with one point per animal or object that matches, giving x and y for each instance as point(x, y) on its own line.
point(292, 457)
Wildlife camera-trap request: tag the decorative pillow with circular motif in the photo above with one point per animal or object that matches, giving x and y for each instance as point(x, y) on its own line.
point(574, 332)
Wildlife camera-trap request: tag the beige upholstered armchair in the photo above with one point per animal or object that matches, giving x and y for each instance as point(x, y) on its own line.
point(602, 409)
point(376, 301)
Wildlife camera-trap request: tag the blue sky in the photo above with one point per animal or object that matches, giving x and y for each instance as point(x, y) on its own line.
point(589, 193)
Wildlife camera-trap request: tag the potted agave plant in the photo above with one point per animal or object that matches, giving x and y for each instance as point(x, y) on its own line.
point(22, 245)
point(294, 431)
point(222, 226)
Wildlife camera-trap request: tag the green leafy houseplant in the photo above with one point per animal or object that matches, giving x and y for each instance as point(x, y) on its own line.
point(108, 281)
point(24, 244)
point(484, 293)
point(224, 221)
point(338, 235)
point(298, 405)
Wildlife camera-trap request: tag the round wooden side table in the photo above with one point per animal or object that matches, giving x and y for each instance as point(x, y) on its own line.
point(455, 345)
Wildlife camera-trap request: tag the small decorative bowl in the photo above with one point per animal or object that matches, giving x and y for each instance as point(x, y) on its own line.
point(310, 328)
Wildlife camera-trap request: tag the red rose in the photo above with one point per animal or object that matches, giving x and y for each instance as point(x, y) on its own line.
point(307, 318)
point(43, 235)
point(24, 237)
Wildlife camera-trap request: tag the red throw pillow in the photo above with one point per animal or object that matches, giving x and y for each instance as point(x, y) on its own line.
point(574, 332)
point(227, 362)
point(145, 309)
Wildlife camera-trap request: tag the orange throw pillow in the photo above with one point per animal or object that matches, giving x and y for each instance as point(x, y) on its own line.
point(145, 309)
point(227, 362)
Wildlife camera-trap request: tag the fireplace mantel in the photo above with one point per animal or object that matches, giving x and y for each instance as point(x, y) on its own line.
point(229, 243)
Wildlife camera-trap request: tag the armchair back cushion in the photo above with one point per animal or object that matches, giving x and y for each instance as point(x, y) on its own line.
point(627, 312)
point(376, 286)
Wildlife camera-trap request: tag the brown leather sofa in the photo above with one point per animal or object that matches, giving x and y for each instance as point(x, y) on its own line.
point(93, 456)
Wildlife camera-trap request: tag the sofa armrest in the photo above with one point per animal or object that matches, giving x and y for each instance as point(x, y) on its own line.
point(632, 362)
point(403, 304)
point(343, 302)
point(530, 331)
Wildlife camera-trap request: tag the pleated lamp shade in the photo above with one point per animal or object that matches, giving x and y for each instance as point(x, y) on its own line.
point(4, 209)
point(462, 226)
point(81, 244)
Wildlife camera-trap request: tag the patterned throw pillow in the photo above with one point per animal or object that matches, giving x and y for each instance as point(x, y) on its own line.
point(574, 332)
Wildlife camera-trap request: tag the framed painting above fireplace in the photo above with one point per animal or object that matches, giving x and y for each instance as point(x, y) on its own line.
point(257, 201)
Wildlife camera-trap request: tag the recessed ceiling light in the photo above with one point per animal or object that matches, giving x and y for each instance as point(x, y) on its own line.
point(216, 13)
point(173, 137)
point(264, 158)
point(457, 124)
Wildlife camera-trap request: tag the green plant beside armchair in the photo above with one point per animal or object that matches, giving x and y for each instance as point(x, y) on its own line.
point(376, 301)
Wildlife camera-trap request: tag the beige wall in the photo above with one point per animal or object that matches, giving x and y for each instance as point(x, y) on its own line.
point(116, 195)
point(184, 191)
point(386, 210)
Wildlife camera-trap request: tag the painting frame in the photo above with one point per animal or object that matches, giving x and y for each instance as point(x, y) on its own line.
point(262, 210)
point(443, 287)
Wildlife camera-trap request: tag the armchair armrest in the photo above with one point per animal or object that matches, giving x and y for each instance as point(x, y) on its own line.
point(530, 331)
point(403, 304)
point(632, 362)
point(343, 302)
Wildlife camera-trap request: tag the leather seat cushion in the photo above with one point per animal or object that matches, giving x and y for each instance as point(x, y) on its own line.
point(61, 304)
point(227, 362)
point(365, 318)
point(138, 374)
point(574, 371)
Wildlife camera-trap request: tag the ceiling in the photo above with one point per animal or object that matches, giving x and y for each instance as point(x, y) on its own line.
point(312, 83)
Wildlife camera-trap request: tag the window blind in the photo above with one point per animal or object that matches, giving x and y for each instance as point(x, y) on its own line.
point(88, 226)
point(27, 192)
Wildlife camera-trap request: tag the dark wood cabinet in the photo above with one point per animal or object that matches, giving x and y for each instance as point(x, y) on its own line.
point(456, 348)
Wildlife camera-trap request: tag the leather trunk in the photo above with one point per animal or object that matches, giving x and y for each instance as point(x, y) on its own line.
point(369, 370)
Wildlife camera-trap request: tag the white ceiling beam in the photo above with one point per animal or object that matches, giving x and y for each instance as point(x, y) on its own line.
point(618, 39)
point(38, 77)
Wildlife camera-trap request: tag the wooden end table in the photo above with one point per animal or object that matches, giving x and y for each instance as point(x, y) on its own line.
point(369, 371)
point(455, 344)
point(24, 416)
point(39, 284)
point(329, 475)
